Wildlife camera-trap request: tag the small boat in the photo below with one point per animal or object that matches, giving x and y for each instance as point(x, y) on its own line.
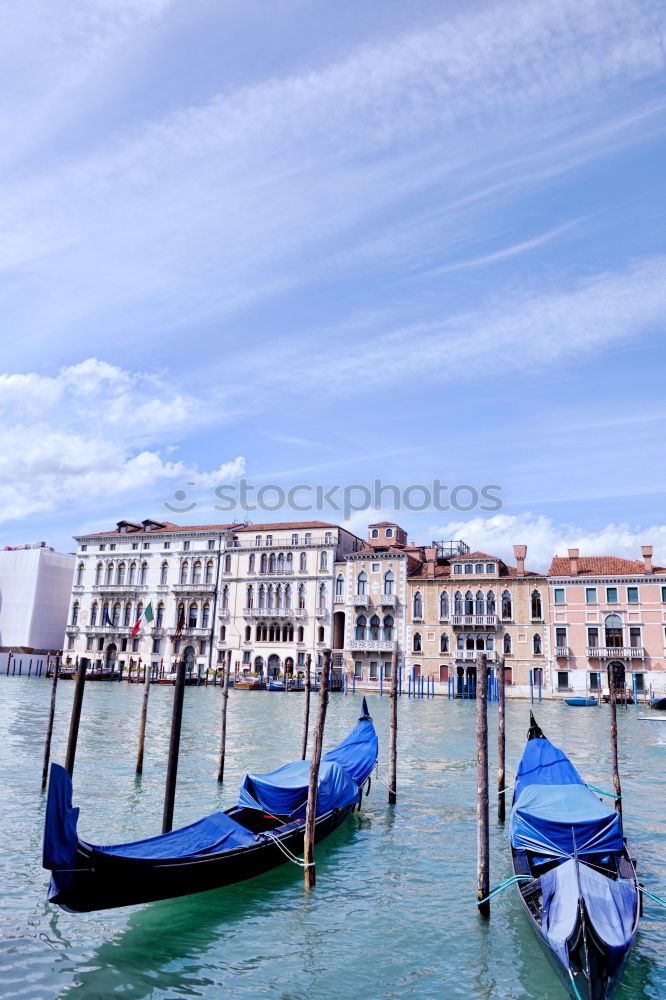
point(659, 703)
point(576, 879)
point(263, 831)
point(275, 685)
point(250, 683)
point(578, 701)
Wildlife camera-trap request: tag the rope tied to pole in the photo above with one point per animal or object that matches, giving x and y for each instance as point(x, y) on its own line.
point(505, 885)
point(600, 791)
point(651, 895)
point(287, 853)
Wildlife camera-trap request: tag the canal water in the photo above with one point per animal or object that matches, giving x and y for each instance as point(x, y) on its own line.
point(393, 913)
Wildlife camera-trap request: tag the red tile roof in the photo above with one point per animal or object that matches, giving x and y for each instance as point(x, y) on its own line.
point(288, 524)
point(165, 527)
point(474, 555)
point(601, 566)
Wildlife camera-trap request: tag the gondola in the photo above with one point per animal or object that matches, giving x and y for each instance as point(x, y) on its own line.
point(260, 833)
point(577, 881)
point(659, 703)
point(578, 701)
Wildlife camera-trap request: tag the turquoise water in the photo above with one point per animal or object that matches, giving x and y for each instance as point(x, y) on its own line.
point(393, 911)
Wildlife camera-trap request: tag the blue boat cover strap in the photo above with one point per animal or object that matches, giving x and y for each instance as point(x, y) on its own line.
point(545, 818)
point(214, 833)
point(611, 908)
point(358, 752)
point(284, 792)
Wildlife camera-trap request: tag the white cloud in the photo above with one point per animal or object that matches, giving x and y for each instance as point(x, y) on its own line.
point(546, 538)
point(91, 432)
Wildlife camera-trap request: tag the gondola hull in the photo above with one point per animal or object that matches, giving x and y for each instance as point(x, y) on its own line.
point(101, 882)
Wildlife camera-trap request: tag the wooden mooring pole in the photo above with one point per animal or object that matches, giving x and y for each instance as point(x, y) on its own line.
point(174, 748)
point(49, 728)
point(482, 822)
point(142, 724)
point(223, 719)
point(393, 733)
point(311, 811)
point(306, 707)
point(612, 683)
point(501, 742)
point(76, 715)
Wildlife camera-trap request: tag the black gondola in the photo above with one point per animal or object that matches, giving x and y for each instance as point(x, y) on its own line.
point(659, 703)
point(577, 881)
point(260, 833)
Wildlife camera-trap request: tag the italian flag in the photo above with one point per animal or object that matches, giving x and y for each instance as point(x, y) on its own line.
point(145, 619)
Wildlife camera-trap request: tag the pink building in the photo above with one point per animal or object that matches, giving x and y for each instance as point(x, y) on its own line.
point(607, 612)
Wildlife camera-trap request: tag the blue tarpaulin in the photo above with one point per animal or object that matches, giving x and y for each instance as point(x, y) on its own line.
point(552, 805)
point(217, 832)
point(358, 752)
point(284, 792)
point(60, 839)
point(611, 906)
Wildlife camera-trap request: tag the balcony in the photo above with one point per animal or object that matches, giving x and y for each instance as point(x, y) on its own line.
point(284, 543)
point(387, 600)
point(193, 588)
point(475, 621)
point(361, 600)
point(615, 653)
point(189, 632)
point(120, 588)
point(320, 612)
point(339, 599)
point(374, 645)
point(563, 652)
point(223, 612)
point(470, 655)
point(274, 613)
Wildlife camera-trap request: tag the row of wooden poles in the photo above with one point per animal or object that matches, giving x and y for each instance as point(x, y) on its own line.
point(482, 794)
point(174, 741)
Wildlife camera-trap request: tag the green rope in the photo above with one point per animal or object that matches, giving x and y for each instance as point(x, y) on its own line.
point(505, 885)
point(600, 791)
point(575, 988)
point(651, 895)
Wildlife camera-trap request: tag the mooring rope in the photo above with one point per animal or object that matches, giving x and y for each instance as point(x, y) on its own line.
point(287, 853)
point(575, 988)
point(384, 783)
point(505, 885)
point(600, 791)
point(651, 895)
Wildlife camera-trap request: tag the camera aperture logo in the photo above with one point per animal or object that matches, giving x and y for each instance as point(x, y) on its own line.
point(308, 498)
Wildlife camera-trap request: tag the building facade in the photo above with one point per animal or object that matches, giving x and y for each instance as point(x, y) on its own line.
point(608, 614)
point(35, 587)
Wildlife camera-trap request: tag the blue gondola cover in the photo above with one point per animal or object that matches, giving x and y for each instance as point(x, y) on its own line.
point(358, 752)
point(284, 792)
point(217, 832)
point(60, 839)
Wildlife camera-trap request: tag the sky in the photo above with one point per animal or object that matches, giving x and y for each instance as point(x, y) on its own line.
point(308, 244)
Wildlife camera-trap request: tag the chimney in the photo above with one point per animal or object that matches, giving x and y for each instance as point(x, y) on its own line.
point(573, 561)
point(647, 557)
point(520, 551)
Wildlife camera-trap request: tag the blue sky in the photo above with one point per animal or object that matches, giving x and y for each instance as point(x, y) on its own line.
point(320, 243)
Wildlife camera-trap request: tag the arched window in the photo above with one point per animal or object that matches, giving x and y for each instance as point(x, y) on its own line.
point(490, 603)
point(506, 605)
point(144, 573)
point(458, 603)
point(478, 568)
point(248, 633)
point(418, 605)
point(263, 563)
point(469, 603)
point(303, 561)
point(507, 643)
point(323, 560)
point(361, 623)
point(460, 641)
point(99, 569)
point(184, 570)
point(269, 596)
point(223, 633)
point(93, 614)
point(192, 616)
point(388, 627)
point(79, 574)
point(180, 615)
point(196, 573)
point(300, 633)
point(416, 643)
point(362, 583)
point(320, 633)
point(271, 633)
point(132, 573)
point(479, 604)
point(262, 596)
point(115, 616)
point(280, 562)
point(490, 641)
point(278, 596)
point(120, 574)
point(227, 563)
point(205, 616)
point(209, 572)
point(339, 585)
point(271, 563)
point(287, 596)
point(109, 573)
point(374, 627)
point(389, 582)
point(536, 605)
point(613, 630)
point(301, 595)
point(224, 598)
point(389, 532)
point(374, 533)
point(159, 620)
point(258, 633)
point(127, 617)
point(289, 563)
point(480, 644)
point(443, 643)
point(536, 642)
point(443, 605)
point(164, 572)
point(322, 596)
point(250, 563)
point(75, 613)
point(249, 598)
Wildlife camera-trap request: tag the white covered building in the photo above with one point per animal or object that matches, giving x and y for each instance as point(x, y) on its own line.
point(35, 587)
